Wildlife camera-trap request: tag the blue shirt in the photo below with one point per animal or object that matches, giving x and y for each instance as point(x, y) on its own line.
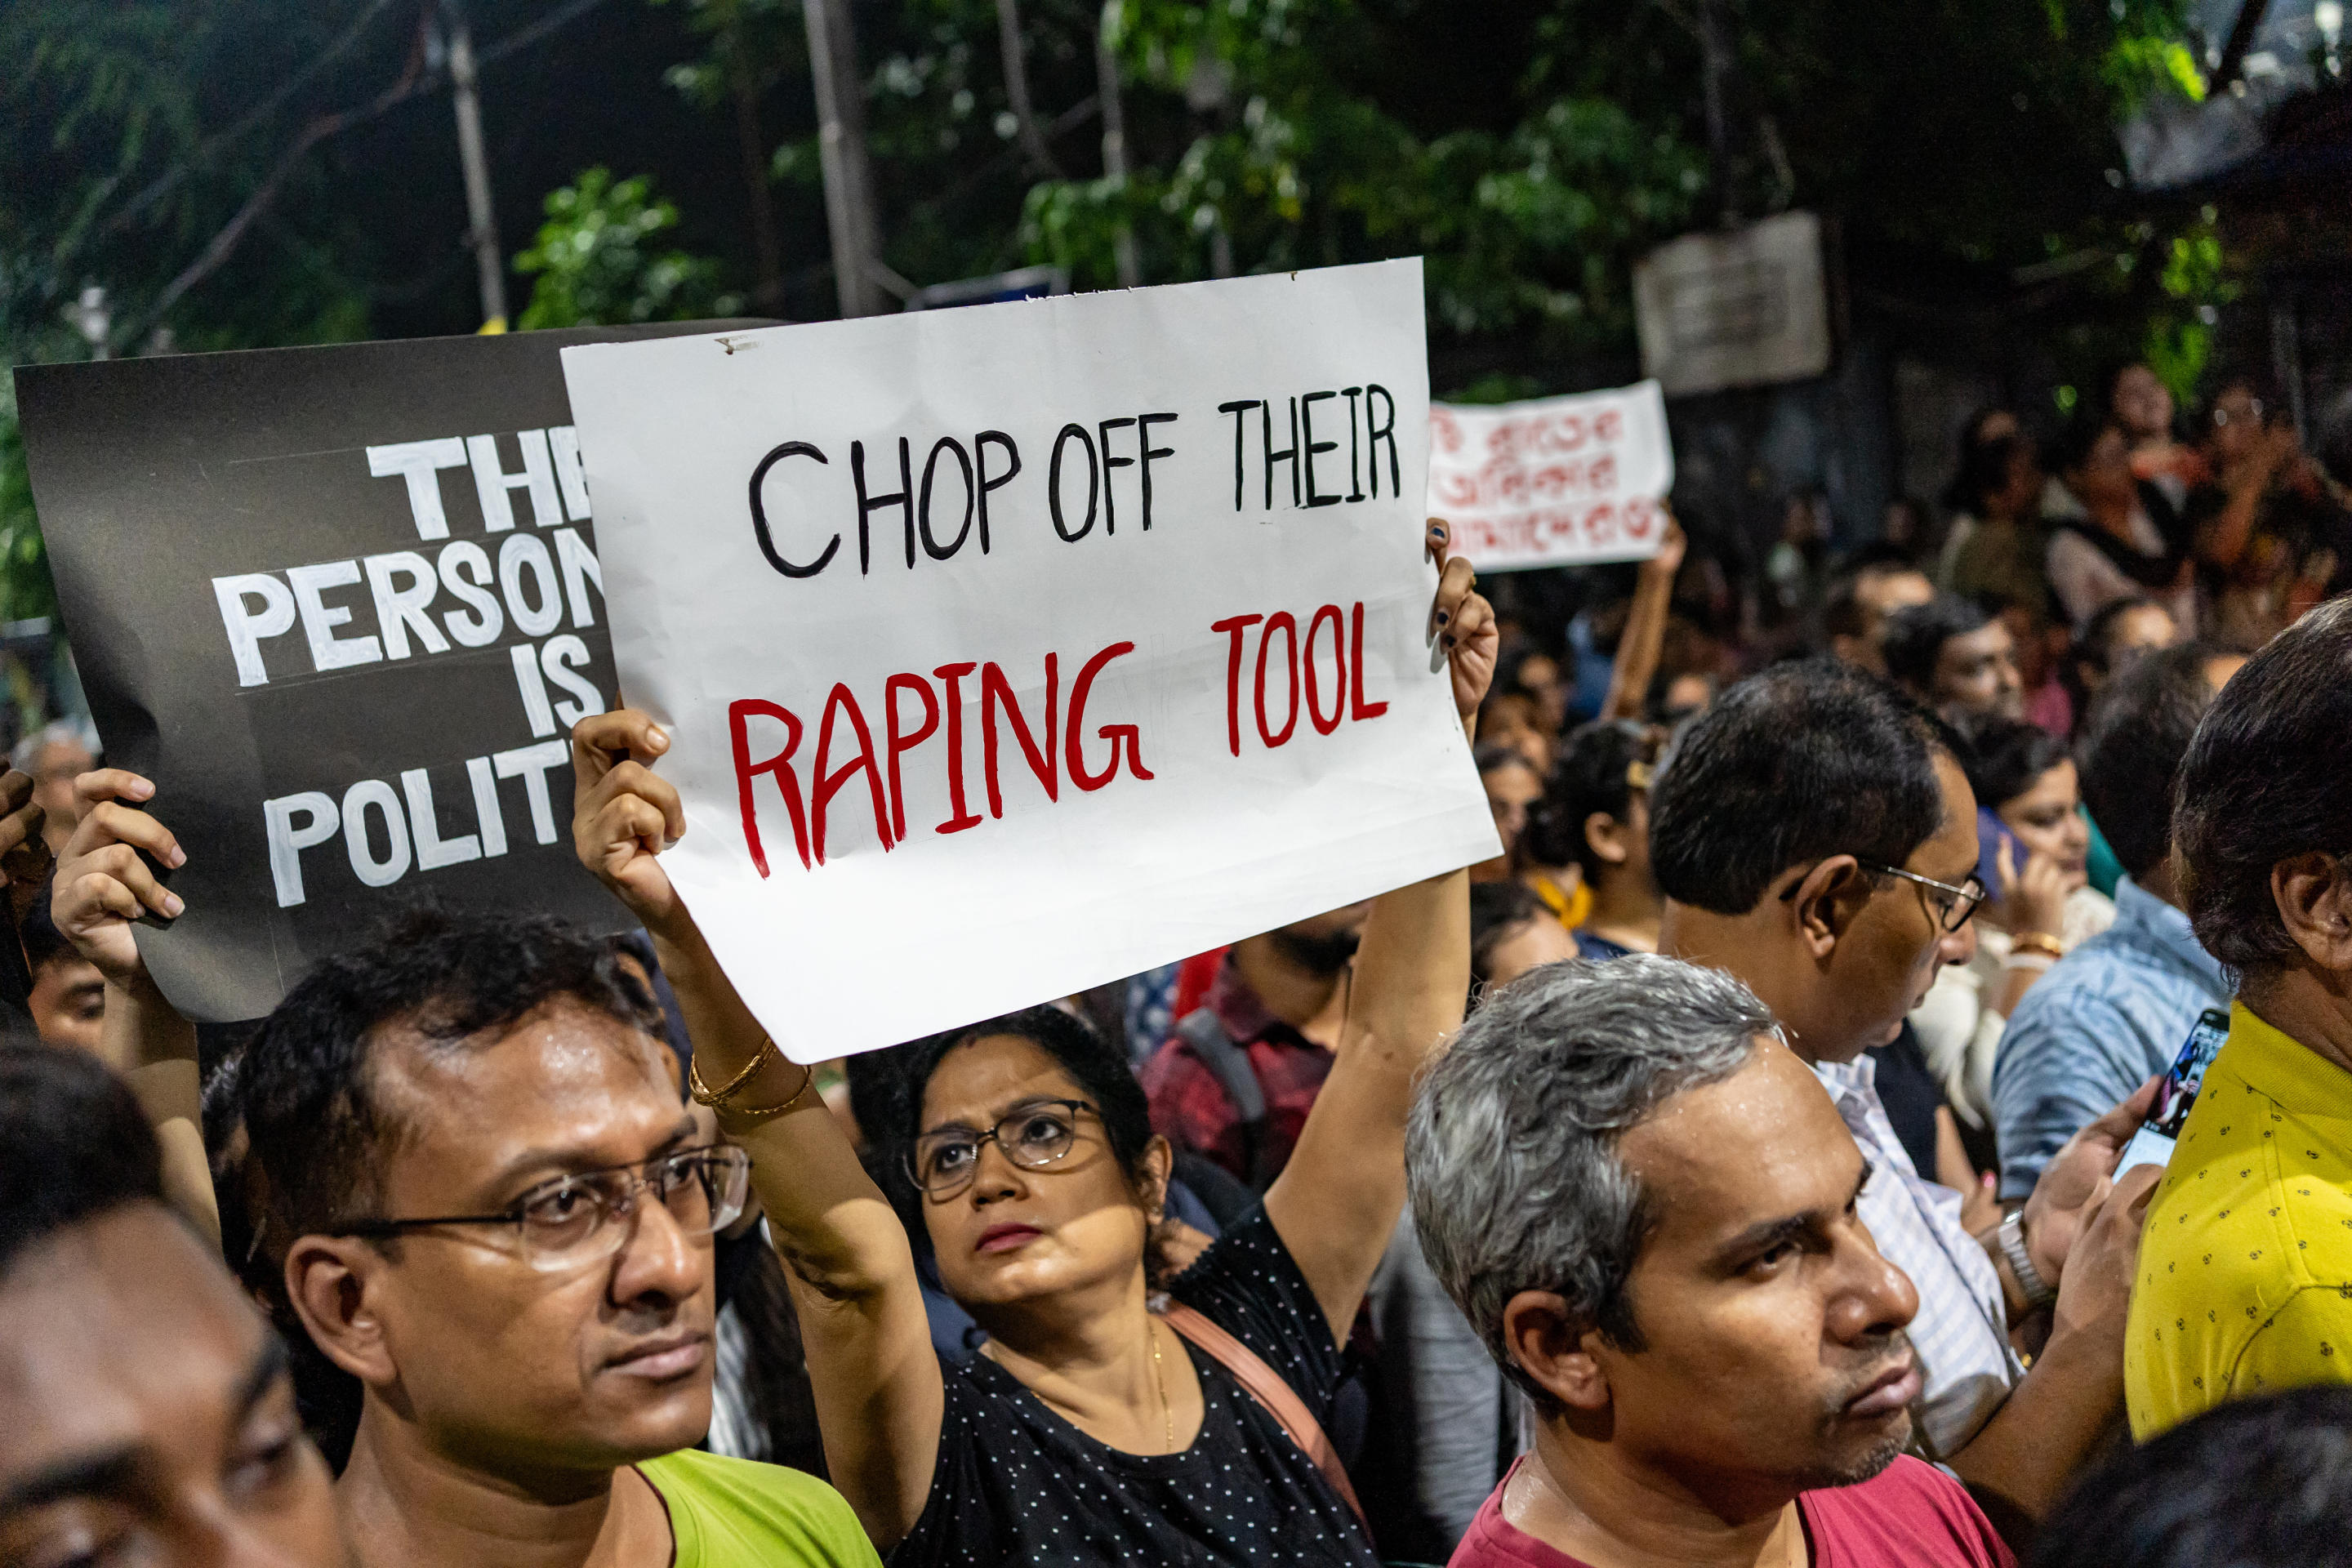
point(1598, 949)
point(2108, 1017)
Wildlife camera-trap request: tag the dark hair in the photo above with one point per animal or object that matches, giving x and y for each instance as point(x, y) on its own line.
point(1589, 776)
point(2257, 380)
point(307, 1082)
point(73, 1146)
point(1100, 1070)
point(1954, 501)
point(1661, 686)
point(43, 940)
point(2139, 729)
point(1492, 756)
point(1843, 613)
point(2005, 756)
point(2081, 436)
point(2255, 1483)
point(1984, 469)
point(2092, 647)
point(1498, 909)
point(2264, 780)
point(1916, 635)
point(1807, 760)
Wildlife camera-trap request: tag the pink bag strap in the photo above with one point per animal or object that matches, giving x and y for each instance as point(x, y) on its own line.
point(1266, 1387)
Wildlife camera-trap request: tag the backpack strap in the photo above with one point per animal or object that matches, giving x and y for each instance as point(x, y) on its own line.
point(1229, 1062)
point(1266, 1387)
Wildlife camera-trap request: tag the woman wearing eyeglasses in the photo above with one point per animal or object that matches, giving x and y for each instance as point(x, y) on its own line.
point(1090, 1429)
point(2037, 845)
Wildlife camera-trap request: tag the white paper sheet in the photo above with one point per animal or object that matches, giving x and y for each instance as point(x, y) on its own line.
point(1370, 786)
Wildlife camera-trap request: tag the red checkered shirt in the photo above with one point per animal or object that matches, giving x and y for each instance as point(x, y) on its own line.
point(1191, 1110)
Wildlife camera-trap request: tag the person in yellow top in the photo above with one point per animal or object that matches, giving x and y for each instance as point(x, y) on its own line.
point(487, 1219)
point(2246, 1270)
point(2245, 1274)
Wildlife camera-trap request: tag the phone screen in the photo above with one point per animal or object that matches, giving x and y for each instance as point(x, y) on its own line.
point(2152, 1144)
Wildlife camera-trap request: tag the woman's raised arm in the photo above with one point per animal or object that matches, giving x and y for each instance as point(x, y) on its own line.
point(1337, 1202)
point(876, 1376)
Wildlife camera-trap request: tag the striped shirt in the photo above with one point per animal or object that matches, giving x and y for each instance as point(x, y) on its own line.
point(1965, 1365)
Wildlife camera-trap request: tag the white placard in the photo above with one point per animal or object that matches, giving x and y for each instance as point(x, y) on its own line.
point(974, 634)
point(1553, 482)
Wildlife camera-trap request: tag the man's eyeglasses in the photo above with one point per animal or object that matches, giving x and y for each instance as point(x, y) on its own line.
point(578, 1220)
point(1038, 1135)
point(1955, 905)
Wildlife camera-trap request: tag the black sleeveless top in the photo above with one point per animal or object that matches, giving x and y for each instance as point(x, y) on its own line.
point(1017, 1484)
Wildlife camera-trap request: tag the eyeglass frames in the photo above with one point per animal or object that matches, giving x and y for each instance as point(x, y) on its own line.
point(1956, 903)
point(1033, 1137)
point(582, 1219)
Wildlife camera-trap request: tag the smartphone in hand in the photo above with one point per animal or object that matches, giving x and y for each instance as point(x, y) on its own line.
point(2153, 1143)
point(1991, 834)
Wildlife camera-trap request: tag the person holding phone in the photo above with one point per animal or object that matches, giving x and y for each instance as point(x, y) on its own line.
point(2034, 854)
point(2113, 1011)
point(2245, 1282)
point(1816, 837)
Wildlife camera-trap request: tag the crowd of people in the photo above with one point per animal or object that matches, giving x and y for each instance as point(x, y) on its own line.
point(1732, 1171)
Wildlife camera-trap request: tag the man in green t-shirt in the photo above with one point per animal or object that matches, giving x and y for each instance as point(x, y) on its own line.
point(494, 1212)
point(503, 1217)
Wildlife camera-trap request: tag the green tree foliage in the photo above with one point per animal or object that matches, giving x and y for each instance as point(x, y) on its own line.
point(1531, 150)
point(130, 134)
point(597, 260)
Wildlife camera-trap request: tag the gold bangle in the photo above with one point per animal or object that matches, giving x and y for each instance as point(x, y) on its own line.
point(2036, 941)
point(704, 1095)
point(753, 1115)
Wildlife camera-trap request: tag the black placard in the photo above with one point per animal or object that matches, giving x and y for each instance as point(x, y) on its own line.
point(159, 479)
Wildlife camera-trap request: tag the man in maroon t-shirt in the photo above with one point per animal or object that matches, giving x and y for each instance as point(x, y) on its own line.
point(1645, 1203)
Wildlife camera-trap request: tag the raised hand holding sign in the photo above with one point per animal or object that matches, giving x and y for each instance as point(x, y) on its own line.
point(1096, 629)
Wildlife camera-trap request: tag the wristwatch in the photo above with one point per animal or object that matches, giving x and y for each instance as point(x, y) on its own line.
point(2011, 1238)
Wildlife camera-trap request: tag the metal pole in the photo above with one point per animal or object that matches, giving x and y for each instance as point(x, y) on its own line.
point(841, 141)
point(1113, 118)
point(487, 263)
point(1715, 67)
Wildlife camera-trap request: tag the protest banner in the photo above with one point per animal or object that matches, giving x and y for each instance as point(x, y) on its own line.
point(1557, 482)
point(1007, 651)
point(342, 604)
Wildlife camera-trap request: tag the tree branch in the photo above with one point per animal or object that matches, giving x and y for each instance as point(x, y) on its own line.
point(414, 82)
point(1016, 88)
point(163, 184)
point(2241, 41)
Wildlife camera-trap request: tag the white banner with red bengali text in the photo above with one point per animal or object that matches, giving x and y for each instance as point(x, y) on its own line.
point(1557, 482)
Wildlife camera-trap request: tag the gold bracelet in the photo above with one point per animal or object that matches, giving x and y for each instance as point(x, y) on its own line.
point(753, 1115)
point(2036, 941)
point(704, 1095)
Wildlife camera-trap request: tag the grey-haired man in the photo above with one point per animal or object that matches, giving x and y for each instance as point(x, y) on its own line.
point(1646, 1205)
